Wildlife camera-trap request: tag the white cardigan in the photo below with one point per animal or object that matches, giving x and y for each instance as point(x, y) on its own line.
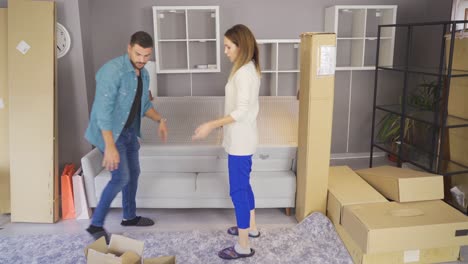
point(241, 103)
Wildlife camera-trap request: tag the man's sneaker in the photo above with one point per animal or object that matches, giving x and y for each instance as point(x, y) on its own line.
point(138, 221)
point(97, 232)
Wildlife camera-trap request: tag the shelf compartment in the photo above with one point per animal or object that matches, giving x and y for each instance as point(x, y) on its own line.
point(380, 16)
point(350, 52)
point(171, 24)
point(186, 32)
point(201, 24)
point(268, 54)
point(456, 186)
point(385, 52)
point(457, 101)
point(370, 52)
point(288, 83)
point(173, 56)
point(268, 84)
point(421, 158)
point(423, 115)
point(410, 154)
point(454, 168)
point(458, 145)
point(288, 56)
point(351, 23)
point(356, 27)
point(202, 56)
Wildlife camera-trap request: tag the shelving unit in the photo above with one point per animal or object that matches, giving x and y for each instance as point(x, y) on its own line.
point(279, 60)
point(356, 34)
point(186, 39)
point(424, 135)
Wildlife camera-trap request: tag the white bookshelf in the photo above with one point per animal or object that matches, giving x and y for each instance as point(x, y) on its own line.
point(356, 28)
point(279, 61)
point(186, 39)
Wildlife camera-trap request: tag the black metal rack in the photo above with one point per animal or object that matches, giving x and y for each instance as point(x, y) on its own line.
point(432, 157)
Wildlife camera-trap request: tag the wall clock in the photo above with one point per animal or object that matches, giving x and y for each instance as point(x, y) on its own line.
point(63, 40)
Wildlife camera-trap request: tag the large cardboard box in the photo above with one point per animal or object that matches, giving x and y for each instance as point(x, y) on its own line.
point(387, 227)
point(457, 106)
point(458, 95)
point(404, 185)
point(4, 123)
point(33, 111)
point(122, 250)
point(345, 188)
point(413, 256)
point(317, 78)
point(458, 142)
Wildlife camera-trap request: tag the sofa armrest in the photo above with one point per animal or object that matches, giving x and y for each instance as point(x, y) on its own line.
point(92, 166)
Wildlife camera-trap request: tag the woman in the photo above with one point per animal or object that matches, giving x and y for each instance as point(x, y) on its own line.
point(240, 133)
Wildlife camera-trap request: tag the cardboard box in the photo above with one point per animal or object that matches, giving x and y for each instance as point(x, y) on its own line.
point(121, 250)
point(4, 127)
point(387, 227)
point(404, 185)
point(33, 156)
point(317, 78)
point(458, 142)
point(161, 260)
point(458, 95)
point(413, 256)
point(345, 188)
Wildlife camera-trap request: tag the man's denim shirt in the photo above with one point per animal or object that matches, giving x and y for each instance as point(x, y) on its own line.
point(116, 85)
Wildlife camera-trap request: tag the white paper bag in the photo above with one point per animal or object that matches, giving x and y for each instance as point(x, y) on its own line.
point(79, 197)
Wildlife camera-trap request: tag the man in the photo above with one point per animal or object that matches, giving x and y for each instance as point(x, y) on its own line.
point(121, 100)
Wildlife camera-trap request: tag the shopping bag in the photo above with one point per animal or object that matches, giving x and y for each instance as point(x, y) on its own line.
point(68, 208)
point(82, 211)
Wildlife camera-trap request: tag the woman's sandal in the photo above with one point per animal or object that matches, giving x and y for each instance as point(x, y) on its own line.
point(231, 253)
point(235, 232)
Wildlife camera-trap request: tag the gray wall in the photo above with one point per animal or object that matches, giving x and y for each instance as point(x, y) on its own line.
point(72, 92)
point(100, 30)
point(269, 19)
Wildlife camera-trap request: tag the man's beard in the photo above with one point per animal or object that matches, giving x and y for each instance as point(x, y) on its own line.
point(138, 65)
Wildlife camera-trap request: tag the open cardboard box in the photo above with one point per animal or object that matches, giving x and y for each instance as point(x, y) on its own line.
point(122, 250)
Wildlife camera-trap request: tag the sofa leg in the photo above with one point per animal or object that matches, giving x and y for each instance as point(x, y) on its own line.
point(288, 211)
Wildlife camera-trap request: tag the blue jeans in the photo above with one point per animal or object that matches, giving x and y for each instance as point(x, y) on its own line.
point(124, 178)
point(240, 189)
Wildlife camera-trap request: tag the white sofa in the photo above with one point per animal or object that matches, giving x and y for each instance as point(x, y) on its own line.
point(186, 174)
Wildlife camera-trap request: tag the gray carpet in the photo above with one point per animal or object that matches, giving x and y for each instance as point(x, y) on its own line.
point(314, 240)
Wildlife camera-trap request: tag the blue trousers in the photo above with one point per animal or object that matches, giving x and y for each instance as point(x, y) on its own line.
point(124, 178)
point(240, 190)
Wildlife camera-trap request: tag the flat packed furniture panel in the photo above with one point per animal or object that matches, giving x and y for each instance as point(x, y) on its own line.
point(317, 79)
point(4, 149)
point(33, 137)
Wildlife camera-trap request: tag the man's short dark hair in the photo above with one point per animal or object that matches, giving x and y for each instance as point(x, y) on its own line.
point(141, 38)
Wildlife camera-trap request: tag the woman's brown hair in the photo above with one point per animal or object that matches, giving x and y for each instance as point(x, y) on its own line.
point(243, 38)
